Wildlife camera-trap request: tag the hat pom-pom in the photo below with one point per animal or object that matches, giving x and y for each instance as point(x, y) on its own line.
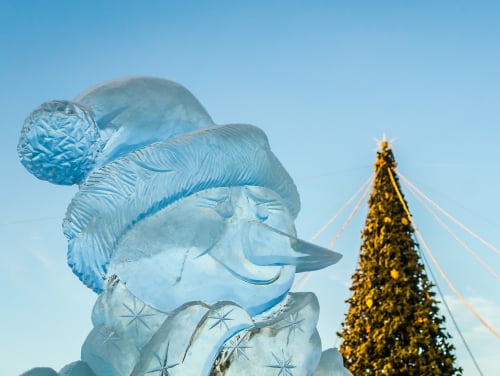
point(59, 142)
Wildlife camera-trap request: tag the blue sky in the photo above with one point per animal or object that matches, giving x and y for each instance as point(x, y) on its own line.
point(323, 79)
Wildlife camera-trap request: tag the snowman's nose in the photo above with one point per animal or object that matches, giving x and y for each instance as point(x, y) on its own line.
point(267, 245)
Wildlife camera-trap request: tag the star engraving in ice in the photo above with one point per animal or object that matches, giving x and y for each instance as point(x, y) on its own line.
point(235, 346)
point(163, 365)
point(111, 339)
point(292, 323)
point(136, 315)
point(220, 319)
point(283, 365)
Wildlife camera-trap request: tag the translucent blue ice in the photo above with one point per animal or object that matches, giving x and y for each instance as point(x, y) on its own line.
point(60, 142)
point(186, 231)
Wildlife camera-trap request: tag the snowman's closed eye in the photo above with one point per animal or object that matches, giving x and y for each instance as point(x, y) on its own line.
point(265, 205)
point(220, 201)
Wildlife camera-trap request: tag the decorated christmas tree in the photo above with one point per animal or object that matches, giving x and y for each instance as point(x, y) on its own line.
point(393, 325)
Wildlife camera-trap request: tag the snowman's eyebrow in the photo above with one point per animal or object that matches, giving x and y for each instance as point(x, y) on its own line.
point(213, 198)
point(273, 203)
point(258, 197)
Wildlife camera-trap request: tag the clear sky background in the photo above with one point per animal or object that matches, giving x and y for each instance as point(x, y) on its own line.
point(323, 79)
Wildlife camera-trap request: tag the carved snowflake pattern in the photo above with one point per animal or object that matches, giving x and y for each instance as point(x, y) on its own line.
point(221, 319)
point(283, 365)
point(235, 346)
point(292, 323)
point(111, 340)
point(136, 315)
point(163, 365)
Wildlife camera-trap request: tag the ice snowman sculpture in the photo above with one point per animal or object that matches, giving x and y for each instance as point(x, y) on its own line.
point(185, 230)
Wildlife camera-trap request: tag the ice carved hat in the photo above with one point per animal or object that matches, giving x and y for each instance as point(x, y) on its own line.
point(135, 146)
point(63, 141)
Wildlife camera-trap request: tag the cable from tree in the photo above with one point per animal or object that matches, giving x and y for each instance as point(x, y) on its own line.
point(438, 267)
point(449, 216)
point(483, 263)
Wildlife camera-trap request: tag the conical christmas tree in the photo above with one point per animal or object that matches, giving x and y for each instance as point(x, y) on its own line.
point(393, 326)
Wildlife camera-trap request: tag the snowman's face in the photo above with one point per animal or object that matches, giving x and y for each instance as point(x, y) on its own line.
point(218, 244)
